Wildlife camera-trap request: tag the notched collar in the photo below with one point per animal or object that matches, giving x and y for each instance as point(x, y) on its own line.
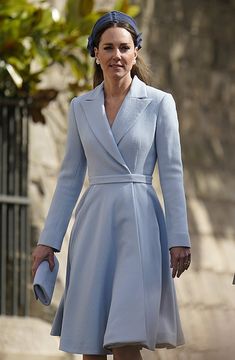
point(133, 105)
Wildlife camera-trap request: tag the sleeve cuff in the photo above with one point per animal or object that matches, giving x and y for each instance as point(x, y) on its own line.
point(179, 240)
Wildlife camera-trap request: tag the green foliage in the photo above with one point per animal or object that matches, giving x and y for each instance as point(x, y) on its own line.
point(33, 37)
point(31, 40)
point(123, 5)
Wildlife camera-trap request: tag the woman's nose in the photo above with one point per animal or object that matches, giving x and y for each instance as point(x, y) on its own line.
point(116, 54)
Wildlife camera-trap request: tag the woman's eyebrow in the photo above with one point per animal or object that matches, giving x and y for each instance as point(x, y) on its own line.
point(120, 44)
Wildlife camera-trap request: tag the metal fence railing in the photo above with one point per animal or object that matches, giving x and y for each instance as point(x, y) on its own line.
point(14, 208)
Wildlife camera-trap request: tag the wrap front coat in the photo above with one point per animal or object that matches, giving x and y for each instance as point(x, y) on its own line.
point(119, 288)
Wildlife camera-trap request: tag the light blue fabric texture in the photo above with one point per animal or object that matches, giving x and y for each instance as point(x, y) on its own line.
point(44, 281)
point(119, 288)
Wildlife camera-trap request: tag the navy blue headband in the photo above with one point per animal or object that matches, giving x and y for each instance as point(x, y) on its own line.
point(112, 17)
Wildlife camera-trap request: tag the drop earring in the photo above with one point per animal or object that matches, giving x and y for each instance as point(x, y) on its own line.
point(97, 61)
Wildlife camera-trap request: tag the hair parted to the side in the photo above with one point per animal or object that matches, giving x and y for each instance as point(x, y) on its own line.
point(140, 68)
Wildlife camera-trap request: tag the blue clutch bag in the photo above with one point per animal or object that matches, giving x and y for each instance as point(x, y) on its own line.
point(44, 281)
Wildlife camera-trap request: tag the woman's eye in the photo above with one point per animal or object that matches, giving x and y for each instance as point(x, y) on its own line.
point(122, 48)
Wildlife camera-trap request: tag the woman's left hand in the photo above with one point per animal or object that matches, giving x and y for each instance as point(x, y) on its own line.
point(180, 260)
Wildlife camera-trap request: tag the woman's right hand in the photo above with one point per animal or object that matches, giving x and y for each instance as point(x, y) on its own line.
point(41, 253)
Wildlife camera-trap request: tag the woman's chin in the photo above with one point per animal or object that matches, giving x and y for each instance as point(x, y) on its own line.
point(118, 74)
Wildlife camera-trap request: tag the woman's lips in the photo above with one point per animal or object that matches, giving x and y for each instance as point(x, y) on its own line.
point(116, 66)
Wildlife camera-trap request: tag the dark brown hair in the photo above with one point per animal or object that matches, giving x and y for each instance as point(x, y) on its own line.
point(140, 68)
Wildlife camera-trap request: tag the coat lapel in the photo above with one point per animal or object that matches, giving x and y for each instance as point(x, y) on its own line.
point(95, 114)
point(134, 104)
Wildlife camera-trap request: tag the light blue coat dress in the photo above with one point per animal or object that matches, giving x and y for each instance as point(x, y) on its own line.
point(119, 288)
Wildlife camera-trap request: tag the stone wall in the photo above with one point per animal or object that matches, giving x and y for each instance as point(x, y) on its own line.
point(190, 45)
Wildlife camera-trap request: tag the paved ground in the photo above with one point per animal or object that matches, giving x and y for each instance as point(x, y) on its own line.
point(27, 339)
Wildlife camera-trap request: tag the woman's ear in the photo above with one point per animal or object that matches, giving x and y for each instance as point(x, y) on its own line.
point(96, 56)
point(135, 55)
point(96, 50)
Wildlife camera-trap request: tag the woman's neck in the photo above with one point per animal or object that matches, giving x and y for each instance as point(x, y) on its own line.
point(116, 88)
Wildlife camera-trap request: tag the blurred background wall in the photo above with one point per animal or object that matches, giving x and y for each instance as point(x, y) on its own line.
point(190, 48)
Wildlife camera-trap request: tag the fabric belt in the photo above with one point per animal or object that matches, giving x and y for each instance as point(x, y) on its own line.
point(106, 179)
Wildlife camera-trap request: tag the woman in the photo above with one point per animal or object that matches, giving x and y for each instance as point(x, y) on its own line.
point(119, 295)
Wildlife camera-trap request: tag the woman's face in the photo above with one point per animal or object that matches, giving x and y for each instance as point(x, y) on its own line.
point(116, 53)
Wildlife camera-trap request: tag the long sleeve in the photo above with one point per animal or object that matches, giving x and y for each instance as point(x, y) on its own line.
point(171, 173)
point(68, 187)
